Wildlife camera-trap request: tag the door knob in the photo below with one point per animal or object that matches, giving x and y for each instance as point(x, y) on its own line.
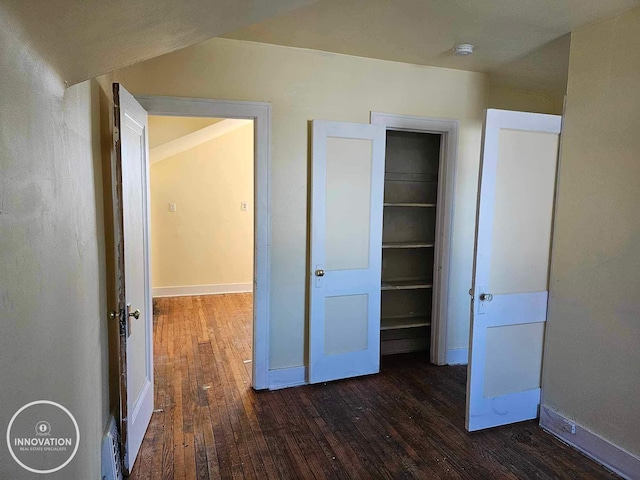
point(486, 297)
point(135, 314)
point(320, 273)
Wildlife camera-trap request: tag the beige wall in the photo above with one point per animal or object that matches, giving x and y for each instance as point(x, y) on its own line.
point(209, 239)
point(303, 85)
point(523, 100)
point(52, 276)
point(592, 353)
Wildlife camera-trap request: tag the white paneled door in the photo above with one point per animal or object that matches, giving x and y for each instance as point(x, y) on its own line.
point(511, 267)
point(346, 249)
point(131, 228)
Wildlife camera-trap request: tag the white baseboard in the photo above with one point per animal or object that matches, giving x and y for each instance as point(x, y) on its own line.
point(457, 356)
point(189, 290)
point(287, 377)
point(591, 444)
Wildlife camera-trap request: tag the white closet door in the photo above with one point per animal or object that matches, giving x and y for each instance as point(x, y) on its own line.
point(346, 249)
point(511, 269)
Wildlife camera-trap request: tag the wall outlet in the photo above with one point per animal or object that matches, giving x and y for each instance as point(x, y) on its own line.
point(172, 207)
point(243, 206)
point(569, 427)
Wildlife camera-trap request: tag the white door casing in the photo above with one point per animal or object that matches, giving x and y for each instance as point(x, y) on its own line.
point(511, 267)
point(448, 130)
point(260, 113)
point(133, 271)
point(347, 186)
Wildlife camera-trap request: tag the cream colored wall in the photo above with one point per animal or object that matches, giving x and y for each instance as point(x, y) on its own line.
point(164, 129)
point(303, 85)
point(52, 275)
point(209, 239)
point(592, 352)
point(523, 101)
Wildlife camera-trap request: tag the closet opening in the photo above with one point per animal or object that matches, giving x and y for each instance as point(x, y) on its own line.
point(409, 241)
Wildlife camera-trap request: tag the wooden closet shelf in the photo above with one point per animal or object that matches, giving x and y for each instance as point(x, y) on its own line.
point(414, 284)
point(409, 222)
point(400, 204)
point(408, 245)
point(393, 323)
point(410, 177)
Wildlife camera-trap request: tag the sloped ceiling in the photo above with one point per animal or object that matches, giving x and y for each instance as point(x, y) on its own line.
point(163, 129)
point(85, 38)
point(516, 40)
point(190, 140)
point(506, 33)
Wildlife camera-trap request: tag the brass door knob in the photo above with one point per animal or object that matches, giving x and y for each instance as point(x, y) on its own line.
point(319, 273)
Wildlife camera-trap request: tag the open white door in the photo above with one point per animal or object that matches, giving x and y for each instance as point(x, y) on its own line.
point(511, 268)
point(131, 225)
point(346, 249)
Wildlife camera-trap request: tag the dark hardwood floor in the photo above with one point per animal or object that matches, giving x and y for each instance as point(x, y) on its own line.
point(406, 422)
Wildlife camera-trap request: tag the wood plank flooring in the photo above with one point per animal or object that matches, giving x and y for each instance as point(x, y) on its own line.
point(406, 422)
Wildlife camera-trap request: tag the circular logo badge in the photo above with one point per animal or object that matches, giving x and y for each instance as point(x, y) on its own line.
point(43, 437)
point(43, 428)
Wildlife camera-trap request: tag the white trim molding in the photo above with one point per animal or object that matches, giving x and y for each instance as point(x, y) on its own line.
point(458, 356)
point(190, 290)
point(448, 129)
point(591, 444)
point(287, 377)
point(260, 113)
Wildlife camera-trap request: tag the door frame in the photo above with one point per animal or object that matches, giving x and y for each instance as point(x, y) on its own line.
point(260, 113)
point(448, 129)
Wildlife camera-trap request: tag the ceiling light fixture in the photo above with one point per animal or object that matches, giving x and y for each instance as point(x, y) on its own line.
point(463, 49)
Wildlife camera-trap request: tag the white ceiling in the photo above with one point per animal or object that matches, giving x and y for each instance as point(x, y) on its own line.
point(85, 38)
point(506, 33)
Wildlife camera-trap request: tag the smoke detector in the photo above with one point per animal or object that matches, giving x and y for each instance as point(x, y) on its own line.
point(463, 49)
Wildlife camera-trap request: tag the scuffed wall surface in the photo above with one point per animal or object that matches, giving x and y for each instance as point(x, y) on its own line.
point(52, 300)
point(592, 350)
